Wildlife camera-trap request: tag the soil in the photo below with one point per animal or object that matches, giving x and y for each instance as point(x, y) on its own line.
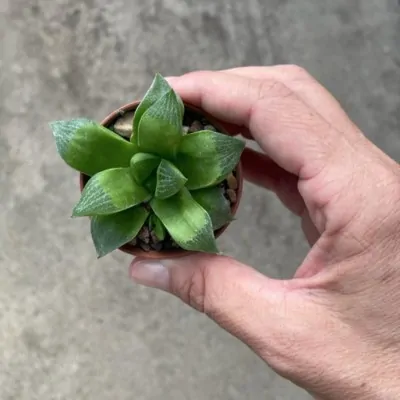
point(192, 122)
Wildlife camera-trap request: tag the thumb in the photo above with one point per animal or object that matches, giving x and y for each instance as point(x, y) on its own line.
point(241, 300)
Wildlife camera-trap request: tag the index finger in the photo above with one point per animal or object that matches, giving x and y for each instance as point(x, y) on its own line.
point(291, 132)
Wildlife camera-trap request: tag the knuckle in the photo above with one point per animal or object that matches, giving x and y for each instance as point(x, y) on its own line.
point(196, 292)
point(200, 293)
point(193, 289)
point(272, 88)
point(296, 72)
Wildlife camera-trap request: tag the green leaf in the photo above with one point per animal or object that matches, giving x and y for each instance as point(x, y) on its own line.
point(160, 128)
point(186, 221)
point(89, 147)
point(158, 88)
point(109, 192)
point(207, 157)
point(142, 166)
point(215, 203)
point(109, 232)
point(151, 183)
point(169, 180)
point(157, 227)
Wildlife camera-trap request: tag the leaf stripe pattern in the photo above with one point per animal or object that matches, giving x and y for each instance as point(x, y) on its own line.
point(89, 147)
point(158, 88)
point(112, 231)
point(109, 192)
point(160, 128)
point(214, 202)
point(169, 180)
point(207, 157)
point(186, 221)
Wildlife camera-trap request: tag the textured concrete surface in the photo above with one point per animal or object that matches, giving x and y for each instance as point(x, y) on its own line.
point(72, 327)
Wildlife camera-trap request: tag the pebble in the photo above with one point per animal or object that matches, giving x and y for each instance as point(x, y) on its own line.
point(157, 246)
point(209, 128)
point(175, 245)
point(123, 126)
point(154, 238)
point(232, 195)
point(133, 242)
point(185, 130)
point(196, 126)
point(145, 246)
point(144, 235)
point(232, 182)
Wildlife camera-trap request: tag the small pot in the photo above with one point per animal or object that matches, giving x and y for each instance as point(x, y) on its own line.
point(220, 127)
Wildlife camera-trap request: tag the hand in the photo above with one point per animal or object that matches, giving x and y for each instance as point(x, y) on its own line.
point(335, 328)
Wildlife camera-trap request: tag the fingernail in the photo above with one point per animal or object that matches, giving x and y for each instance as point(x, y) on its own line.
point(150, 273)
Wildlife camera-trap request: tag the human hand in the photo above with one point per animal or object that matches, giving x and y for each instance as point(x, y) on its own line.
point(335, 328)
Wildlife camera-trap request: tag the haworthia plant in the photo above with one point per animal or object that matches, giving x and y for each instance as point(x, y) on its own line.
point(162, 176)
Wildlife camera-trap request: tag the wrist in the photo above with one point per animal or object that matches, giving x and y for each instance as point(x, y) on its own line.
point(380, 384)
point(370, 378)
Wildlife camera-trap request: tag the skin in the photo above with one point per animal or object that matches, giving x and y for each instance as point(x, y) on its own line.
point(334, 329)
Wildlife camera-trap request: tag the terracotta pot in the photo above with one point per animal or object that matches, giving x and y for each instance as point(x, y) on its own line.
point(173, 253)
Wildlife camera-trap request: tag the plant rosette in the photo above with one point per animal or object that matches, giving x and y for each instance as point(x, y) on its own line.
point(159, 178)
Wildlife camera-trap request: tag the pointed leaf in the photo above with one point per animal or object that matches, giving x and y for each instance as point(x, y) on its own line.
point(142, 166)
point(215, 203)
point(109, 232)
point(157, 227)
point(89, 147)
point(160, 128)
point(207, 157)
point(186, 221)
point(169, 180)
point(109, 192)
point(157, 89)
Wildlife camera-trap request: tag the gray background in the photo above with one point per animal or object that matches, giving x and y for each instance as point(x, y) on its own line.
point(72, 327)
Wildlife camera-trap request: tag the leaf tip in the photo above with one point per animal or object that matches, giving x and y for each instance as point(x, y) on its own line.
point(100, 254)
point(78, 211)
point(56, 123)
point(216, 250)
point(211, 247)
point(52, 124)
point(55, 128)
point(159, 76)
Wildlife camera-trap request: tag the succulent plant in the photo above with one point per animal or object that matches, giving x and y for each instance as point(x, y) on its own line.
point(162, 176)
